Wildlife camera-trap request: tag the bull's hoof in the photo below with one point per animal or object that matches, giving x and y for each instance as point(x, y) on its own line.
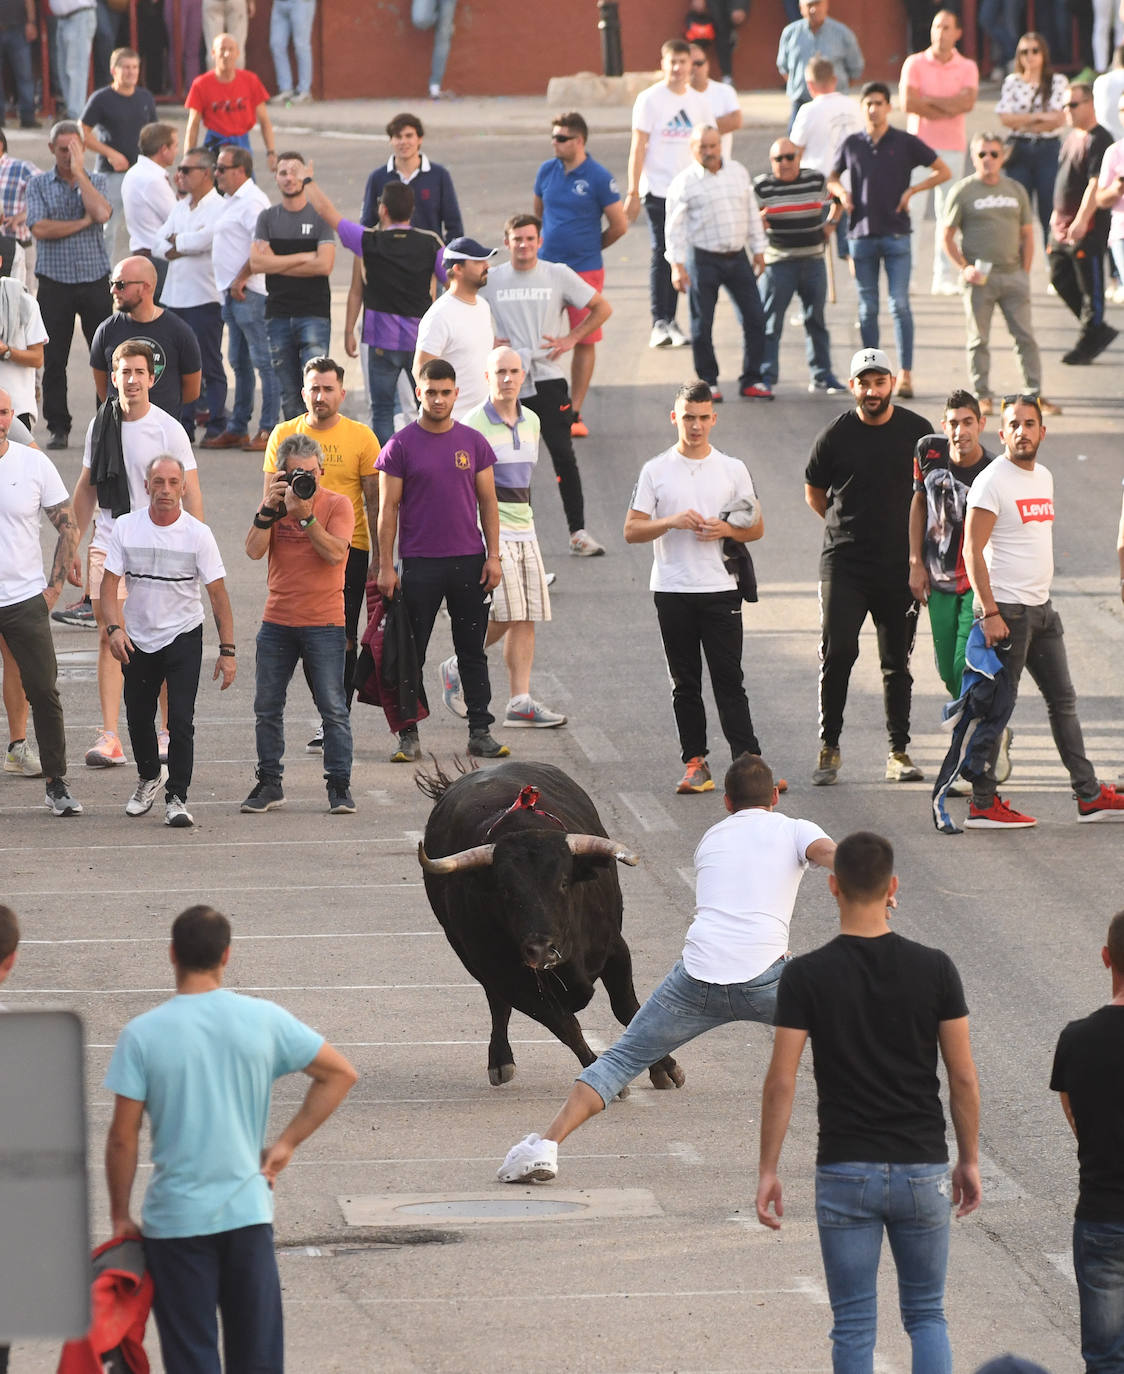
point(504, 1073)
point(665, 1078)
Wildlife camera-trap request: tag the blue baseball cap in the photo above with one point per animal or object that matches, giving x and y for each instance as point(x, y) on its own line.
point(468, 250)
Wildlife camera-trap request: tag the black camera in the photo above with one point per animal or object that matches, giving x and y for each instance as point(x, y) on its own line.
point(302, 481)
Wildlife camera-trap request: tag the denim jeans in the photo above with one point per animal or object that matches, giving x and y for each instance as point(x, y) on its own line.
point(205, 322)
point(323, 649)
point(1001, 21)
point(436, 15)
point(292, 19)
point(1098, 1262)
point(293, 341)
point(1033, 163)
point(75, 37)
point(854, 1203)
point(384, 367)
point(680, 1009)
point(662, 295)
point(709, 272)
point(1037, 643)
point(247, 347)
point(15, 47)
point(868, 254)
point(806, 278)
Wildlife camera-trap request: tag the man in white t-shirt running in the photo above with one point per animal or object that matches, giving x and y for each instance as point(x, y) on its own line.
point(164, 553)
point(680, 505)
point(458, 325)
point(747, 874)
point(662, 119)
point(1009, 556)
point(130, 423)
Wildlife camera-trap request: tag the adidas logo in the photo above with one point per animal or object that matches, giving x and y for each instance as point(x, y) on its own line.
point(679, 126)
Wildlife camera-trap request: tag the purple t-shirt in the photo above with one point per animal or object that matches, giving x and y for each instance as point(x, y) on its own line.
point(437, 515)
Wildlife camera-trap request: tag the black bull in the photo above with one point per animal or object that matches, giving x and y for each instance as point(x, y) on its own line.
point(522, 877)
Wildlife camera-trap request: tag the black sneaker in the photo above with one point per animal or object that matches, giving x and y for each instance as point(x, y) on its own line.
point(481, 745)
point(265, 796)
point(58, 438)
point(340, 802)
point(59, 801)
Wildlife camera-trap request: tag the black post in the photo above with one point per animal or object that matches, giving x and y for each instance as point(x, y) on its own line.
point(609, 22)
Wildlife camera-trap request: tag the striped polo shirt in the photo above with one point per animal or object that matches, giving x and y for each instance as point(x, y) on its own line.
point(794, 213)
point(517, 451)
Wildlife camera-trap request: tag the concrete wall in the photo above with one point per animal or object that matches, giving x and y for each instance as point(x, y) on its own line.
point(368, 48)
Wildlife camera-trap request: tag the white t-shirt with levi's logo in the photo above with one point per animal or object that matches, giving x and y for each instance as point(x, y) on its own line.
point(1020, 553)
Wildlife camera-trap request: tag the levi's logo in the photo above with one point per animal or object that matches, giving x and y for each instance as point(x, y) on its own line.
point(1031, 510)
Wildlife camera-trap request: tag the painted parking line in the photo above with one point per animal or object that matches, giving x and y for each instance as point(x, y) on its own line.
point(648, 812)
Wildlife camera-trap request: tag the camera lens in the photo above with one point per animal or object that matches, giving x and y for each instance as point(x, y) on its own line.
point(303, 484)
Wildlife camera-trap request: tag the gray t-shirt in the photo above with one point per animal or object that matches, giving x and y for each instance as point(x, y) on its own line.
point(989, 219)
point(528, 307)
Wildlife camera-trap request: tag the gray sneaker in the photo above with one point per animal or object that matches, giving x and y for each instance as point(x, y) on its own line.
point(408, 749)
point(59, 801)
point(141, 800)
point(901, 768)
point(481, 745)
point(21, 758)
point(827, 767)
point(177, 815)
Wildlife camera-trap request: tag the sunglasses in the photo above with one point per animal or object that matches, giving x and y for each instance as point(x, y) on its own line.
point(186, 167)
point(1022, 52)
point(783, 157)
point(224, 167)
point(121, 283)
point(562, 138)
point(1073, 104)
point(1022, 398)
point(701, 63)
point(989, 152)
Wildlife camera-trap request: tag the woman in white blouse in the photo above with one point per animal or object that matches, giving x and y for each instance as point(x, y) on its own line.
point(1030, 105)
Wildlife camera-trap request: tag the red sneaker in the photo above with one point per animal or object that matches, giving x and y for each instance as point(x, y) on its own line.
point(1107, 805)
point(998, 816)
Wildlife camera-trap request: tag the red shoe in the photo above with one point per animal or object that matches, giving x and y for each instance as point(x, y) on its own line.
point(757, 391)
point(697, 777)
point(578, 428)
point(1000, 816)
point(1107, 805)
point(780, 784)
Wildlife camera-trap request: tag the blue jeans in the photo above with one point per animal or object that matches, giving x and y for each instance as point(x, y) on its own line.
point(247, 347)
point(205, 322)
point(1098, 1262)
point(1000, 20)
point(1033, 163)
point(680, 1009)
point(75, 38)
point(436, 15)
point(292, 19)
point(323, 649)
point(854, 1203)
point(868, 254)
point(384, 366)
point(663, 296)
point(15, 47)
point(807, 278)
point(293, 341)
point(708, 272)
point(195, 1277)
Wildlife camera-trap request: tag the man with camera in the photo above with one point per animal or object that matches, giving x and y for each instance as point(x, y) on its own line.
point(306, 532)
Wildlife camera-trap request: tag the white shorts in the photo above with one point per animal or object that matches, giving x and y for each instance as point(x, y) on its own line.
point(522, 593)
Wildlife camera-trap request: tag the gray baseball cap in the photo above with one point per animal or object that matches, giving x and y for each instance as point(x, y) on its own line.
point(870, 360)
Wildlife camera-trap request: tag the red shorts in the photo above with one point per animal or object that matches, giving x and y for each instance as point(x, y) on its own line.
point(596, 279)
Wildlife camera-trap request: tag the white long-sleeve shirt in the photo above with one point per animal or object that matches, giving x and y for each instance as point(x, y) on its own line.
point(715, 211)
point(148, 200)
point(234, 236)
point(191, 278)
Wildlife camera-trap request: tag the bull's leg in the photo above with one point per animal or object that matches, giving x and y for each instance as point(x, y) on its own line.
point(617, 979)
point(501, 1061)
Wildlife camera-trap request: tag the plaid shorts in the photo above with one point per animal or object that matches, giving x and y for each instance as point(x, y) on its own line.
point(522, 593)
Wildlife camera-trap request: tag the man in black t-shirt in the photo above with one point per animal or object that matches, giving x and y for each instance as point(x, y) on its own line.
point(1078, 229)
point(859, 480)
point(296, 250)
point(1089, 1076)
point(876, 1008)
point(111, 124)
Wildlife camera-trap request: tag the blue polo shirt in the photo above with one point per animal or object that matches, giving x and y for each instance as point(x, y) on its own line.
point(880, 174)
point(572, 203)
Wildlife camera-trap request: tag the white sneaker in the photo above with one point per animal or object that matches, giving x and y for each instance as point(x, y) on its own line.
point(1003, 758)
point(528, 714)
point(533, 1160)
point(676, 335)
point(452, 692)
point(659, 337)
point(142, 799)
point(177, 815)
point(22, 758)
point(584, 545)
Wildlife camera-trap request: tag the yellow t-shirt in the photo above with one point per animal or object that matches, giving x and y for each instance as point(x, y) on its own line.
point(350, 450)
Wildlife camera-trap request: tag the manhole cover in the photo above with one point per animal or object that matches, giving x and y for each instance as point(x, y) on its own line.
point(493, 1207)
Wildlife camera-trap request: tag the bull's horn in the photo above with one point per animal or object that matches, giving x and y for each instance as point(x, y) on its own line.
point(479, 857)
point(598, 844)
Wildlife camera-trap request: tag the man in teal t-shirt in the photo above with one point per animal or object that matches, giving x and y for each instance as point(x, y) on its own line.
point(202, 1065)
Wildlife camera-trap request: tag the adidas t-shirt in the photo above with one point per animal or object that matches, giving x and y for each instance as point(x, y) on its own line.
point(667, 119)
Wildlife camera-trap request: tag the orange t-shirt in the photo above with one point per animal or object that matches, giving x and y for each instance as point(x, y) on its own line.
point(303, 588)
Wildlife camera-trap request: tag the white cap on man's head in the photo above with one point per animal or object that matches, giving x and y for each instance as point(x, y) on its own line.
point(870, 360)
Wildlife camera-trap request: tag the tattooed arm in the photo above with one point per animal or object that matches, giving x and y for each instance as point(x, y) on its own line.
point(62, 517)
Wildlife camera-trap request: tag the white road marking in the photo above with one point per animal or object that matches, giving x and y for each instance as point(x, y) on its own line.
point(1062, 1260)
point(39, 849)
point(688, 876)
point(648, 811)
point(998, 1186)
point(246, 987)
point(594, 744)
point(492, 1298)
point(681, 1149)
point(213, 887)
point(163, 939)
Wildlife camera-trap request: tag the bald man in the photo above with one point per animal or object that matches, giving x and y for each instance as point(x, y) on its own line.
point(522, 597)
point(800, 217)
point(136, 315)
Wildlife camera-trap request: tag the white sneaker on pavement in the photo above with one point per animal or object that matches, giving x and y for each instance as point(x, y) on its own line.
point(676, 335)
point(533, 1160)
point(659, 337)
point(584, 545)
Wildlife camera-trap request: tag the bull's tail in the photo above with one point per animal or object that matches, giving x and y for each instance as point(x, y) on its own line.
point(436, 784)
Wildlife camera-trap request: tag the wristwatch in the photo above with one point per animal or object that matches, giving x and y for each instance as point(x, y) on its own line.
point(308, 520)
point(7, 353)
point(111, 630)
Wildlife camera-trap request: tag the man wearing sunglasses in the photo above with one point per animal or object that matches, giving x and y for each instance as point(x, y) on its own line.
point(990, 215)
point(1079, 229)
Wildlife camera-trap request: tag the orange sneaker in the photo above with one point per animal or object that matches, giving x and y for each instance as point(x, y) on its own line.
point(697, 777)
point(106, 752)
point(578, 428)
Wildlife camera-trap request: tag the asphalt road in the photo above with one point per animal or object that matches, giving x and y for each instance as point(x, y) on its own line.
point(658, 1264)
